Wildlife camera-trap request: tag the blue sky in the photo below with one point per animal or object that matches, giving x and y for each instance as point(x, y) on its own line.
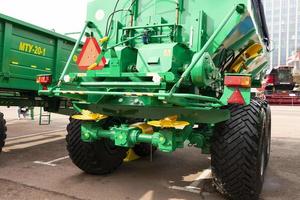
point(61, 15)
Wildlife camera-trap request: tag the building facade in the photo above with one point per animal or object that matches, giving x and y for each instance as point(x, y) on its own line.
point(283, 19)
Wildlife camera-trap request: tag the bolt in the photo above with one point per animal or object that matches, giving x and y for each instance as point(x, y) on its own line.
point(162, 140)
point(86, 136)
point(121, 100)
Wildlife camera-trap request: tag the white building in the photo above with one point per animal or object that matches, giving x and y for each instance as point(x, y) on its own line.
point(283, 19)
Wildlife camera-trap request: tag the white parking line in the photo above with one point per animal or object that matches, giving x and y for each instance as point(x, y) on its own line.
point(51, 162)
point(194, 186)
point(186, 189)
point(35, 134)
point(27, 141)
point(31, 144)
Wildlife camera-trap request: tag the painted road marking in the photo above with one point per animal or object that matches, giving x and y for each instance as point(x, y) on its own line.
point(194, 186)
point(31, 144)
point(27, 141)
point(33, 138)
point(186, 189)
point(51, 162)
point(23, 120)
point(34, 134)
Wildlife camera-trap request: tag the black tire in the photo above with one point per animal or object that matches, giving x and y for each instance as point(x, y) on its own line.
point(144, 149)
point(100, 157)
point(3, 130)
point(238, 152)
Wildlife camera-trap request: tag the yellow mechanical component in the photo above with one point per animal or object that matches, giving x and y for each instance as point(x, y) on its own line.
point(92, 66)
point(75, 58)
point(146, 128)
point(131, 156)
point(249, 53)
point(169, 122)
point(87, 115)
point(103, 40)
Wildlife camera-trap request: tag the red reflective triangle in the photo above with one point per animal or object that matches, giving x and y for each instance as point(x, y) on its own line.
point(89, 54)
point(236, 98)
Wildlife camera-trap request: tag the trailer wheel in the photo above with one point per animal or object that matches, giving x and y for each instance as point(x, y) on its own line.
point(239, 149)
point(3, 130)
point(144, 149)
point(100, 157)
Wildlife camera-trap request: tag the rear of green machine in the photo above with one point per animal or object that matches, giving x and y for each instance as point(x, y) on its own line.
point(163, 75)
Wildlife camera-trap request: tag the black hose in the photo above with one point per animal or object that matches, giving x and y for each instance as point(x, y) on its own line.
point(111, 16)
point(108, 27)
point(259, 11)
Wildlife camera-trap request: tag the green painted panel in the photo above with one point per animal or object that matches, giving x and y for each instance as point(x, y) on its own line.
point(29, 51)
point(163, 11)
point(65, 53)
point(33, 35)
point(1, 40)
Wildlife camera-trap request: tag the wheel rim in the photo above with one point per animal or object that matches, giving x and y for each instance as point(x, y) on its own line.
point(264, 149)
point(262, 165)
point(268, 138)
point(269, 147)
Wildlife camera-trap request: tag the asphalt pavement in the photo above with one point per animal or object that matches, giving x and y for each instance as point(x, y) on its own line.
point(35, 165)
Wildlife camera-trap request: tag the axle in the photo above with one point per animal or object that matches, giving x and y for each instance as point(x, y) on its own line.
point(166, 140)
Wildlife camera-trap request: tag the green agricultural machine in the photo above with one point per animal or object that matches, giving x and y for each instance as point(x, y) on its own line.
point(25, 52)
point(164, 75)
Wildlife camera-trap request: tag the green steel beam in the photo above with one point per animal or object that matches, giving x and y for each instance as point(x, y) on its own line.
point(204, 49)
point(178, 95)
point(72, 54)
point(121, 85)
point(149, 26)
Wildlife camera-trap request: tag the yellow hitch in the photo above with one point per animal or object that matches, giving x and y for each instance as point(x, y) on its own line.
point(169, 122)
point(146, 128)
point(87, 115)
point(131, 156)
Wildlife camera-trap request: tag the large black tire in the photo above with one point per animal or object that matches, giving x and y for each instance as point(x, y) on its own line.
point(239, 149)
point(3, 130)
point(144, 149)
point(100, 157)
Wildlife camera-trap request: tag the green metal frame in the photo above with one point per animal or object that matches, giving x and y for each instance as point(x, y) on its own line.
point(216, 103)
point(157, 68)
point(167, 140)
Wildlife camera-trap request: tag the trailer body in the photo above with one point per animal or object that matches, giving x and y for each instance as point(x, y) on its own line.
point(25, 52)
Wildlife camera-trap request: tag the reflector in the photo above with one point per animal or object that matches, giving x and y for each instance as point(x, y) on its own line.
point(44, 80)
point(238, 81)
point(236, 98)
point(89, 54)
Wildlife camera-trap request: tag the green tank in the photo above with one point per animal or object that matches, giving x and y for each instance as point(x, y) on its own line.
point(164, 75)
